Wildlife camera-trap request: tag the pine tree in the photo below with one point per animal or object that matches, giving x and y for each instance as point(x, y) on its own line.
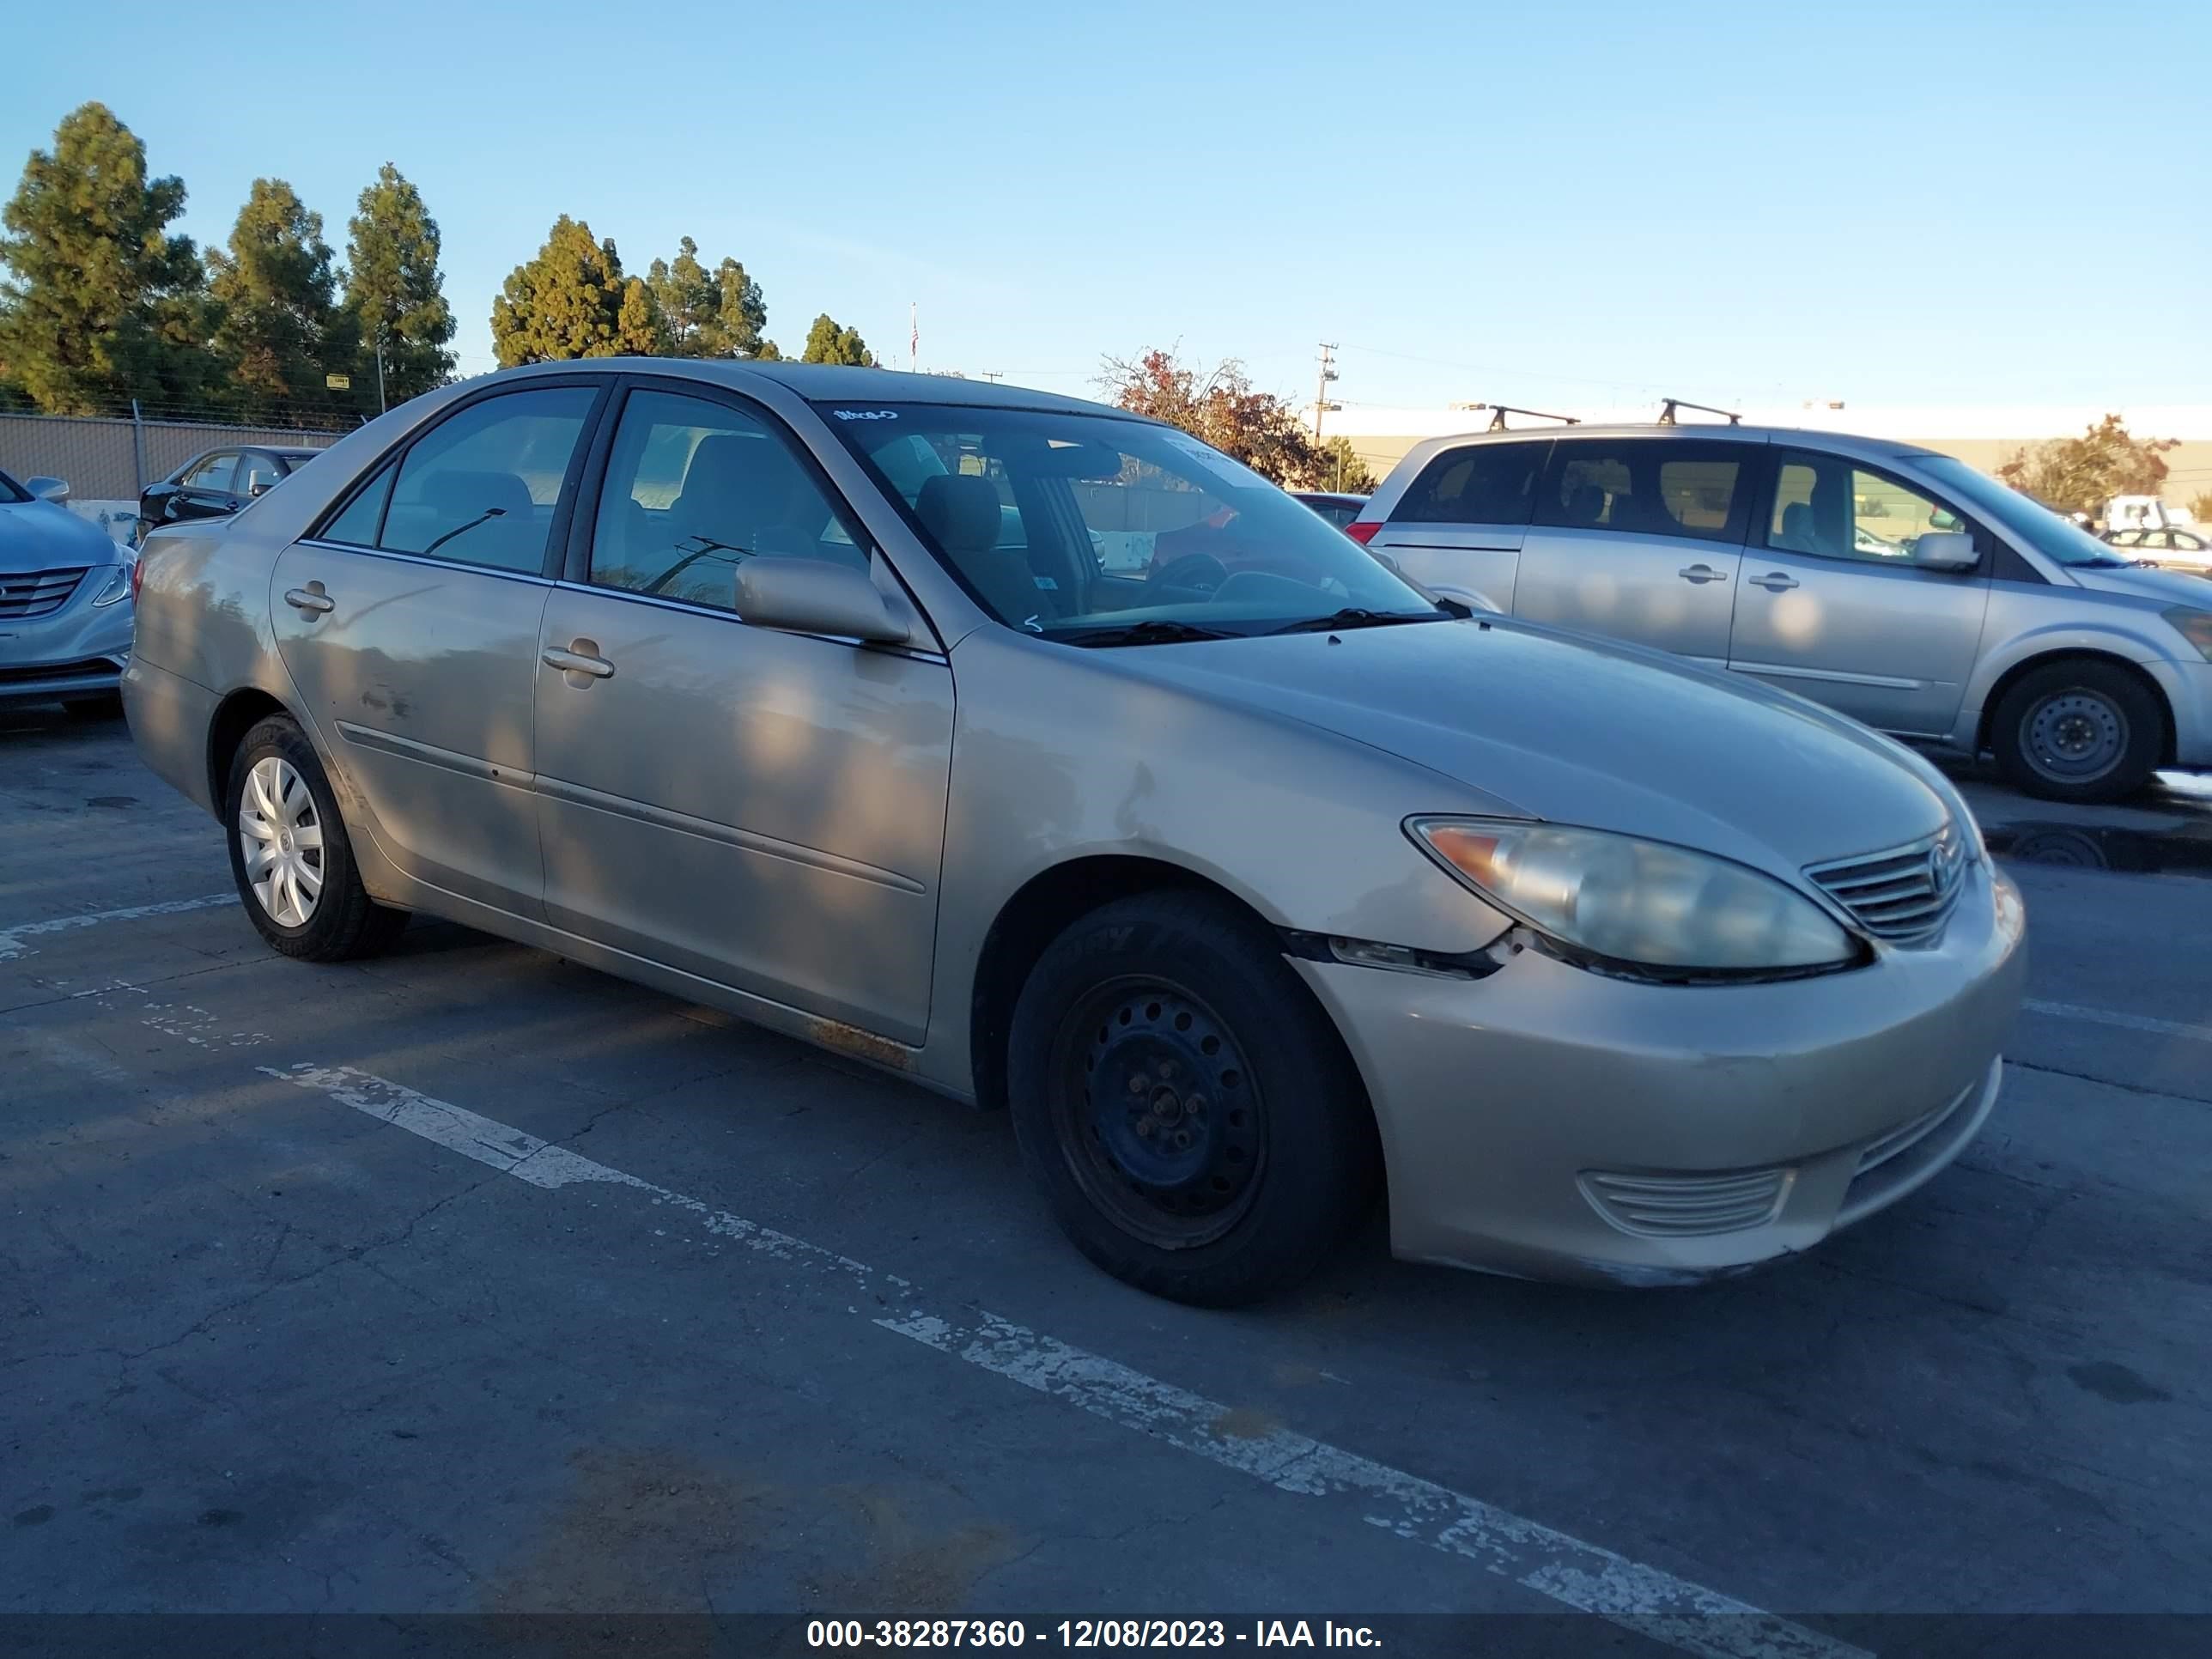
point(829, 342)
point(717, 314)
point(394, 289)
point(281, 329)
point(568, 302)
point(103, 304)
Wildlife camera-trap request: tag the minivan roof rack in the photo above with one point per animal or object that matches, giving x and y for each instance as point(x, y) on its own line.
point(1669, 406)
point(1500, 411)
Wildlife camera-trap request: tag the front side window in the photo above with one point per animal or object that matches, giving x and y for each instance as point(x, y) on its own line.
point(695, 486)
point(2058, 539)
point(1487, 483)
point(1825, 506)
point(258, 474)
point(1102, 531)
point(481, 486)
point(211, 472)
point(1651, 487)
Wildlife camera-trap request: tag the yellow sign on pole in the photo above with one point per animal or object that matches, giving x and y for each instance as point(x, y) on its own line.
point(338, 382)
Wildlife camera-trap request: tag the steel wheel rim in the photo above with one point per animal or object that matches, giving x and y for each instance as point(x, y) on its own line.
point(2074, 736)
point(1158, 1113)
point(280, 837)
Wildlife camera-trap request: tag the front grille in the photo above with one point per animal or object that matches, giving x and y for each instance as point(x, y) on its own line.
point(1684, 1206)
point(37, 592)
point(1904, 896)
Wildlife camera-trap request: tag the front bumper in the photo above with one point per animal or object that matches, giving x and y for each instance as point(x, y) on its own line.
point(1552, 1123)
point(78, 651)
point(2188, 687)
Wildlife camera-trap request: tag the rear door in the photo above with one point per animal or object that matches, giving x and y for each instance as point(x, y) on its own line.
point(1831, 605)
point(764, 808)
point(1640, 538)
point(1458, 527)
point(409, 623)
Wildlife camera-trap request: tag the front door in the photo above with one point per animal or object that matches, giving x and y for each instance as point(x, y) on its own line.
point(410, 624)
point(1639, 539)
point(765, 810)
point(1831, 605)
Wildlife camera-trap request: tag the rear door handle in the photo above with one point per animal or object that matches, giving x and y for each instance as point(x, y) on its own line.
point(1774, 582)
point(580, 662)
point(311, 599)
point(1700, 573)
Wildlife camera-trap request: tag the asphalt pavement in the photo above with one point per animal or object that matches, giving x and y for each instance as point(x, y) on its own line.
point(470, 1280)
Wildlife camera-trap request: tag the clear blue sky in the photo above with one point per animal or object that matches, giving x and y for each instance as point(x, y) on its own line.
point(1907, 203)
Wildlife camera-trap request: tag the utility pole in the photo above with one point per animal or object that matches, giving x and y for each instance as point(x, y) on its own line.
point(1320, 396)
point(382, 406)
point(994, 375)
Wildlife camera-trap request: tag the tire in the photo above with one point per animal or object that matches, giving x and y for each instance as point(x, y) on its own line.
point(1242, 1148)
point(107, 706)
point(2079, 730)
point(323, 914)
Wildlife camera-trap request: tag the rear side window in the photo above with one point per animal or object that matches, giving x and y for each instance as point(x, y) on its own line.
point(1649, 487)
point(1482, 483)
point(481, 488)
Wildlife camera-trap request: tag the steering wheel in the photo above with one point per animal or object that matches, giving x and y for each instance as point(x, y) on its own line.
point(1202, 573)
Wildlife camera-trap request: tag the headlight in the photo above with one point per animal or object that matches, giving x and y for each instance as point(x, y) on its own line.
point(119, 587)
point(2195, 626)
point(1638, 902)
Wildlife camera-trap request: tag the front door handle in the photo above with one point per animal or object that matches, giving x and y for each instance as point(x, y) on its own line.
point(581, 662)
point(1774, 582)
point(1701, 572)
point(311, 599)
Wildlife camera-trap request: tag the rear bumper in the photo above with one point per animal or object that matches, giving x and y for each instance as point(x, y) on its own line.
point(170, 719)
point(1549, 1123)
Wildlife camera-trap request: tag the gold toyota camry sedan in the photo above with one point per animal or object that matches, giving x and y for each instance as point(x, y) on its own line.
point(1039, 753)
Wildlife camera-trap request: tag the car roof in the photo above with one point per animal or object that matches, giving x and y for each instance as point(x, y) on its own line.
point(1842, 443)
point(836, 382)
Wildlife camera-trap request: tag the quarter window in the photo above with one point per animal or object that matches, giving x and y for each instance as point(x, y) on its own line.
point(481, 488)
point(1825, 506)
point(1482, 483)
point(693, 488)
point(1655, 487)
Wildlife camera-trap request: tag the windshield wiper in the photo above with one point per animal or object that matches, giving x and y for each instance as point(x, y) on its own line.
point(1154, 630)
point(1353, 616)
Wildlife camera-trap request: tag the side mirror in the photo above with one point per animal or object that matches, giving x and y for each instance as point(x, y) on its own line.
point(258, 488)
point(812, 595)
point(56, 491)
point(1945, 550)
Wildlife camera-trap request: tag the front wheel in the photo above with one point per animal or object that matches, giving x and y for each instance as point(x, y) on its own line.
point(1196, 1126)
point(290, 855)
point(2082, 731)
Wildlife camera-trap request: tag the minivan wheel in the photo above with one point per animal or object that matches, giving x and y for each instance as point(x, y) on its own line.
point(2080, 730)
point(289, 855)
point(1195, 1126)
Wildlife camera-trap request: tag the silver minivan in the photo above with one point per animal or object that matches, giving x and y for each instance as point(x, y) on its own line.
point(1895, 584)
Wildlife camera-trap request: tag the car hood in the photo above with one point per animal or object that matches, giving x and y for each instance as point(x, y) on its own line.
point(1576, 730)
point(41, 536)
point(2172, 587)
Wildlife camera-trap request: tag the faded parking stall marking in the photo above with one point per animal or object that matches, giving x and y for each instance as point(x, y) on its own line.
point(2113, 1016)
point(12, 936)
point(1554, 1563)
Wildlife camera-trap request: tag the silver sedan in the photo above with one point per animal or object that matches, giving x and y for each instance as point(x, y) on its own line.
point(64, 601)
point(1250, 880)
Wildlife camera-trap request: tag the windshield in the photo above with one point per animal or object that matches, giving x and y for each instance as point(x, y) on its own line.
point(11, 491)
point(2051, 535)
point(1105, 531)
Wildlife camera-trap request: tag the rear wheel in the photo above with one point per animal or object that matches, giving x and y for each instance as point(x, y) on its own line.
point(2079, 730)
point(1194, 1123)
point(291, 856)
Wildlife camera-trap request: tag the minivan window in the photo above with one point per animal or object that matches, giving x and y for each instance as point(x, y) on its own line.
point(481, 488)
point(2054, 537)
point(693, 487)
point(1101, 531)
point(1825, 506)
point(1648, 487)
point(1482, 483)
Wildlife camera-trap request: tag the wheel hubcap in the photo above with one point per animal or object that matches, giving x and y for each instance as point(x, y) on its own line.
point(281, 835)
point(1158, 1114)
point(2074, 735)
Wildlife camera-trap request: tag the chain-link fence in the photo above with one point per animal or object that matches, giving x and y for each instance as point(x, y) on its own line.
point(107, 462)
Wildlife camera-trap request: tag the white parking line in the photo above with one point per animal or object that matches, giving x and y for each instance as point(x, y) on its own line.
point(11, 938)
point(2124, 1022)
point(1579, 1574)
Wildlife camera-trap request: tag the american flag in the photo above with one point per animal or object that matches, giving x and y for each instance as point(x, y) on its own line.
point(914, 333)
